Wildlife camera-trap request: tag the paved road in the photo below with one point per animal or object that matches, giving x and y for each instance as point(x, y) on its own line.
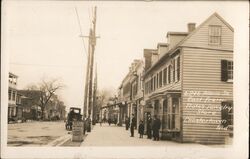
point(106, 135)
point(35, 133)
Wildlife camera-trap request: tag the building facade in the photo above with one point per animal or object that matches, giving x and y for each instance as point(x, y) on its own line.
point(188, 83)
point(12, 97)
point(137, 91)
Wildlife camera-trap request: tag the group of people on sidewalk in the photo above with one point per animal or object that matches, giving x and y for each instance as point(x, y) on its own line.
point(153, 127)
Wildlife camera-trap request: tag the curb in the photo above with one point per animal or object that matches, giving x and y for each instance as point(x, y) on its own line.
point(59, 141)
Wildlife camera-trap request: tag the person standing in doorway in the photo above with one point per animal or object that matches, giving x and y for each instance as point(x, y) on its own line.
point(156, 128)
point(132, 125)
point(149, 127)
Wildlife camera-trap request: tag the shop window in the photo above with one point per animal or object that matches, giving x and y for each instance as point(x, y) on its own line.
point(156, 107)
point(165, 113)
point(226, 70)
point(214, 34)
point(227, 114)
point(173, 116)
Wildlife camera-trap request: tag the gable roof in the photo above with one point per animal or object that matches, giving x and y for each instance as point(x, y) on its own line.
point(187, 37)
point(196, 29)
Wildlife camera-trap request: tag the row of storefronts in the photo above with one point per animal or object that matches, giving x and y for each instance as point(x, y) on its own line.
point(187, 82)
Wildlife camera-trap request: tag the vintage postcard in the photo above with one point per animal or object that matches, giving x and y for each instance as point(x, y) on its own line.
point(124, 79)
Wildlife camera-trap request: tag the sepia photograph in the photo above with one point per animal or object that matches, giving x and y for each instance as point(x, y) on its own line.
point(124, 79)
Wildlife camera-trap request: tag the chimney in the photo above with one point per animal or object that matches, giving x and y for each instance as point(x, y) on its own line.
point(147, 57)
point(191, 27)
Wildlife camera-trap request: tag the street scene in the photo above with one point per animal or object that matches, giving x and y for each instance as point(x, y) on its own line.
point(92, 74)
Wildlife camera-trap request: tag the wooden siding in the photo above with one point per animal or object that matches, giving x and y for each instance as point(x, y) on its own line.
point(202, 75)
point(168, 86)
point(200, 37)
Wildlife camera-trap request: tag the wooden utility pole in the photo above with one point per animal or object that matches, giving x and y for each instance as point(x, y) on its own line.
point(88, 97)
point(94, 98)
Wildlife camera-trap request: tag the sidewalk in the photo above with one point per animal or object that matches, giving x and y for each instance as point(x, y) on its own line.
point(106, 135)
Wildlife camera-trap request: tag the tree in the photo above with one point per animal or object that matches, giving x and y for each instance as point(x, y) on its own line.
point(47, 90)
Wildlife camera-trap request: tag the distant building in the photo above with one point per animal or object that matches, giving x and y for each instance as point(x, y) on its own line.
point(54, 110)
point(128, 92)
point(31, 108)
point(137, 92)
point(12, 97)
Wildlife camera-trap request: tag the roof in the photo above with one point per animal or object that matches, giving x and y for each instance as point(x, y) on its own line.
point(187, 37)
point(196, 29)
point(177, 33)
point(162, 44)
point(12, 74)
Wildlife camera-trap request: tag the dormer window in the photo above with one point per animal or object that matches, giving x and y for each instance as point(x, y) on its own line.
point(214, 34)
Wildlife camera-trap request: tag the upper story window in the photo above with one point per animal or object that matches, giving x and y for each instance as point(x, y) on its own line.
point(14, 96)
point(151, 85)
point(9, 94)
point(174, 70)
point(226, 70)
point(178, 68)
point(169, 73)
point(215, 34)
point(160, 79)
point(146, 87)
point(157, 80)
point(165, 76)
point(154, 86)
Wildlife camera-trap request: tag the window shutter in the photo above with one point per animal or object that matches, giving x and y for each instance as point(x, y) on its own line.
point(224, 75)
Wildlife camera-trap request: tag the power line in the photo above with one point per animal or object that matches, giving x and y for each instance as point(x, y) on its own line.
point(43, 65)
point(80, 28)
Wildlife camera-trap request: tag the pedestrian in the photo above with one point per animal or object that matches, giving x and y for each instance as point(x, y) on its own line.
point(132, 125)
point(141, 129)
point(127, 122)
point(115, 121)
point(100, 122)
point(149, 127)
point(156, 127)
point(109, 121)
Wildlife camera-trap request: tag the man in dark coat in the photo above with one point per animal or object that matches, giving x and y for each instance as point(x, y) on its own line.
point(149, 127)
point(132, 125)
point(156, 127)
point(141, 129)
point(127, 122)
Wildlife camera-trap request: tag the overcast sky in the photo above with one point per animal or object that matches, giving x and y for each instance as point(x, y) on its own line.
point(42, 39)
